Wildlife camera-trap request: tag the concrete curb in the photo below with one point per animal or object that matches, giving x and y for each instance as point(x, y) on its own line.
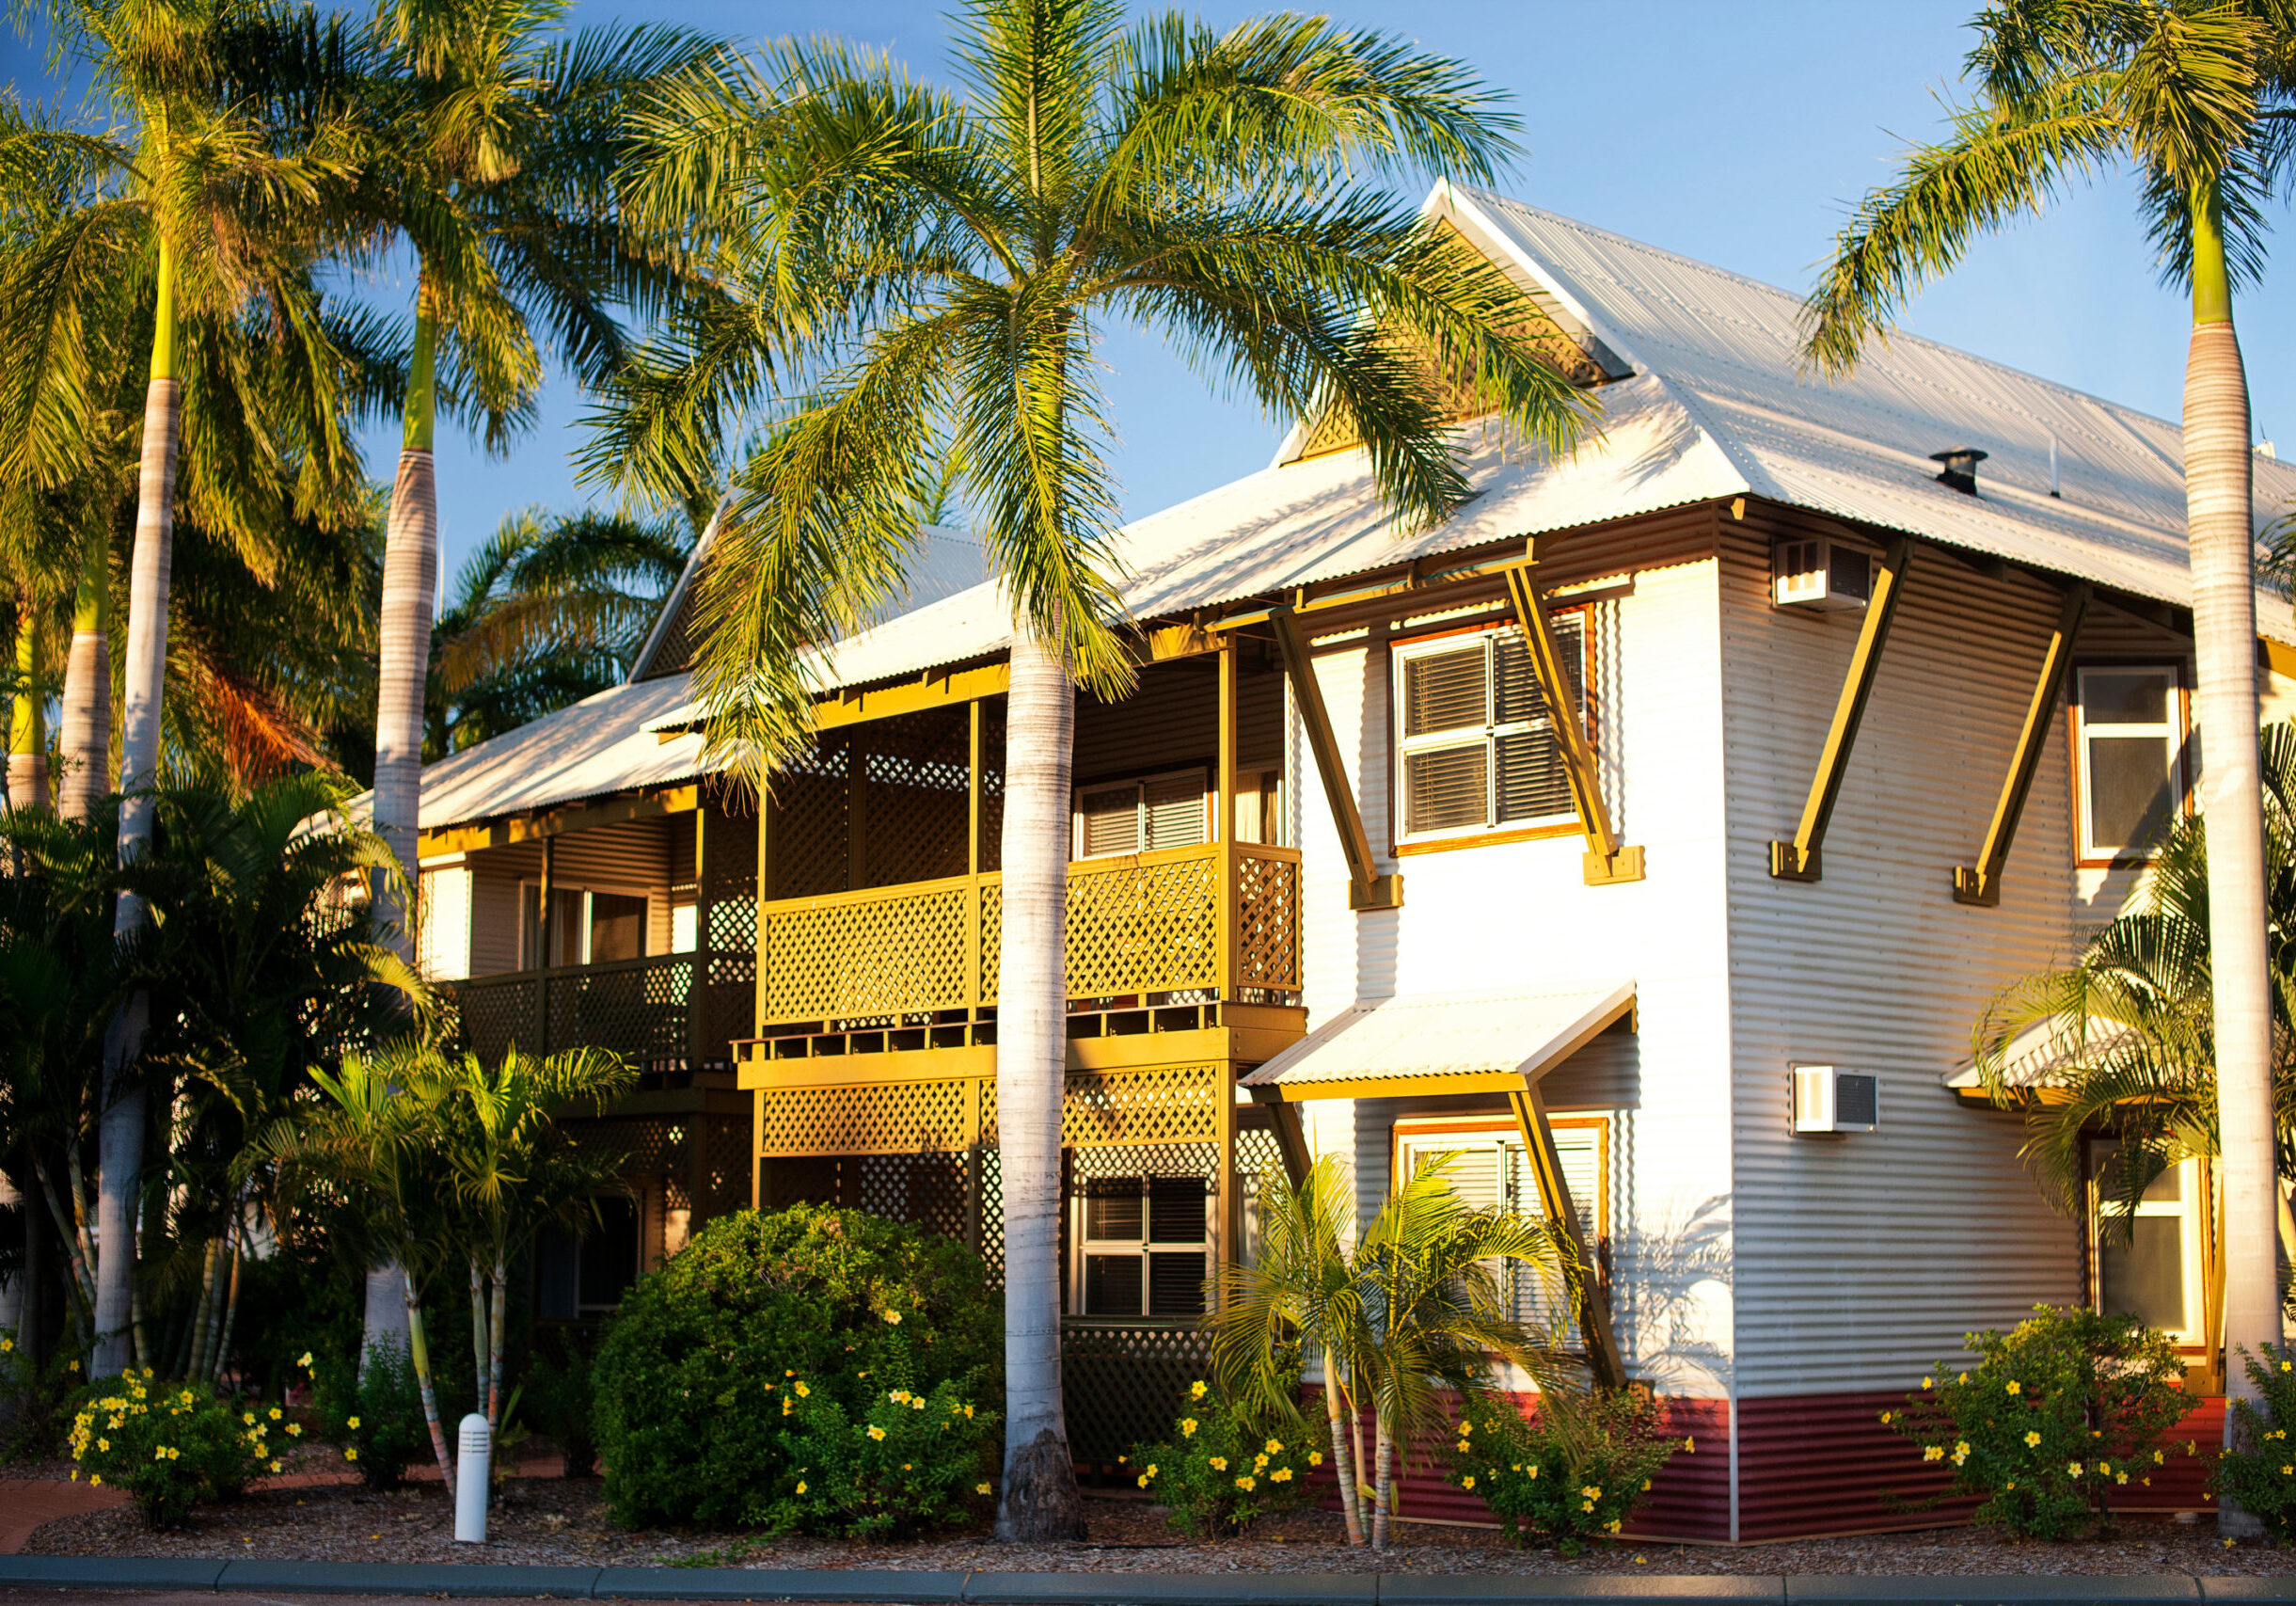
point(886, 1588)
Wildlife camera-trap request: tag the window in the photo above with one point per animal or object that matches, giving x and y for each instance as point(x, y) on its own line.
point(1491, 1170)
point(2130, 729)
point(1141, 1246)
point(2149, 1267)
point(1136, 816)
point(586, 1276)
point(1478, 748)
point(586, 927)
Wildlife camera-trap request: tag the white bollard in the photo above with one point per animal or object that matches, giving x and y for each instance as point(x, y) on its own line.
point(470, 1479)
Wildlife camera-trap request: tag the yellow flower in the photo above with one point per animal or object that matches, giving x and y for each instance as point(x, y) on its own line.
point(899, 1396)
point(2105, 1466)
point(1927, 1384)
point(1275, 1446)
point(275, 1413)
point(2074, 1468)
point(350, 1454)
point(877, 1433)
point(1187, 1427)
point(1314, 1457)
point(1219, 1463)
point(2160, 1458)
point(1885, 1416)
point(803, 1390)
point(1465, 1427)
point(306, 1360)
point(1281, 1476)
point(351, 1422)
point(1934, 1453)
point(2015, 1387)
point(6, 1344)
point(2120, 1477)
point(1195, 1390)
point(1246, 1483)
point(161, 1454)
point(907, 1468)
point(968, 1413)
point(786, 1406)
point(800, 1485)
point(1152, 1469)
point(1463, 1447)
point(2032, 1439)
point(275, 1466)
point(104, 1445)
point(295, 1430)
point(92, 1477)
point(248, 1417)
point(894, 1317)
point(980, 1488)
point(1592, 1491)
point(1258, 1462)
point(1534, 1469)
point(916, 1402)
point(1467, 1482)
point(1690, 1444)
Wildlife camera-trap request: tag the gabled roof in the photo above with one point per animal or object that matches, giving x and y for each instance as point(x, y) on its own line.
point(1717, 406)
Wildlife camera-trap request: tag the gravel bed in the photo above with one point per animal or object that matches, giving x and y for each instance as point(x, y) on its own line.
point(561, 1520)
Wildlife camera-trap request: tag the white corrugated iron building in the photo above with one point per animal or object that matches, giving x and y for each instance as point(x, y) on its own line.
point(1597, 960)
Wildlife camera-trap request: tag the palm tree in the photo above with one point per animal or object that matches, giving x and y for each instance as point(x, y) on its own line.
point(909, 276)
point(2127, 1032)
point(550, 611)
point(2198, 97)
point(1416, 1306)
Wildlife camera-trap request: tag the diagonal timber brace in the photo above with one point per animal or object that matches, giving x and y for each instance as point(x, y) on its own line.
point(1980, 884)
point(1800, 859)
point(1606, 861)
point(1555, 1198)
point(1367, 887)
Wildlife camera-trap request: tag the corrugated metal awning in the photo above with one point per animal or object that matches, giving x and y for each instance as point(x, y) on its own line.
point(2038, 1057)
point(1443, 1042)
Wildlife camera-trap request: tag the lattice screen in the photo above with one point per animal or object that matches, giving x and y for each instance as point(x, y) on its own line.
point(1145, 928)
point(858, 961)
point(1145, 1160)
point(916, 796)
point(1122, 1382)
point(992, 786)
point(898, 1117)
point(1268, 929)
point(634, 1008)
point(725, 1162)
point(650, 1145)
point(1167, 1104)
point(809, 854)
point(497, 1016)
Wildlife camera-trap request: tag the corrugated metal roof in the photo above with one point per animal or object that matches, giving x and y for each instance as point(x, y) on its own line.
point(1449, 1034)
point(600, 746)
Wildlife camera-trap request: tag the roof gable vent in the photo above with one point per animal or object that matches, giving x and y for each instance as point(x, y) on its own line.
point(1960, 468)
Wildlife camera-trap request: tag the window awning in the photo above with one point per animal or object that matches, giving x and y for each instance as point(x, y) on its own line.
point(1443, 1042)
point(2035, 1061)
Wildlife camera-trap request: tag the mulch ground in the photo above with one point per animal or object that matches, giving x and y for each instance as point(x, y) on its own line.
point(562, 1520)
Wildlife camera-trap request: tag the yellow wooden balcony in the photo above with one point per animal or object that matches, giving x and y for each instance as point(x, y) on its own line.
point(1215, 923)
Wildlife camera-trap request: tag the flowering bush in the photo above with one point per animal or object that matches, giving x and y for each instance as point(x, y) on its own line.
point(2055, 1416)
point(373, 1412)
point(1227, 1466)
point(716, 1384)
point(2261, 1479)
point(168, 1444)
point(1570, 1473)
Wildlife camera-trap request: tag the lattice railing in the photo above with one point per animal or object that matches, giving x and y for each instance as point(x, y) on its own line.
point(638, 1009)
point(1153, 1106)
point(1122, 1382)
point(1146, 926)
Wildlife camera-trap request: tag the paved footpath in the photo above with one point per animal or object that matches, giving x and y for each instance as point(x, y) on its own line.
point(100, 1581)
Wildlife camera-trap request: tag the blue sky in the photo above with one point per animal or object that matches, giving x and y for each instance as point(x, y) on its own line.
point(1738, 134)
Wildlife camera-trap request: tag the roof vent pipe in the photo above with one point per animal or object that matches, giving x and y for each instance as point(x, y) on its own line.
point(2052, 468)
point(1960, 468)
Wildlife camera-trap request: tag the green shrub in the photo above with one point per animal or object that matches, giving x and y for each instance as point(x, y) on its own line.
point(1572, 1472)
point(559, 1398)
point(708, 1381)
point(1227, 1465)
point(2261, 1479)
point(373, 1411)
point(169, 1444)
point(2055, 1415)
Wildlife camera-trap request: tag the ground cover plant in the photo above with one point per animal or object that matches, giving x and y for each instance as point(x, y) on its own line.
point(2055, 1415)
point(373, 1407)
point(813, 1370)
point(2260, 1476)
point(170, 1445)
point(1231, 1461)
point(1571, 1472)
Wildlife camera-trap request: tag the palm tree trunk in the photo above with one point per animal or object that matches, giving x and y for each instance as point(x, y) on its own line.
point(27, 738)
point(1342, 1464)
point(410, 583)
point(84, 719)
point(480, 1344)
point(494, 1334)
point(2219, 518)
point(1383, 1492)
point(82, 1274)
point(420, 1352)
point(121, 1134)
point(1040, 1500)
point(230, 1316)
point(195, 1366)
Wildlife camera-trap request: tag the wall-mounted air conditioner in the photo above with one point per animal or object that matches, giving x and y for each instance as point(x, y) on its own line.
point(1824, 575)
point(1829, 1099)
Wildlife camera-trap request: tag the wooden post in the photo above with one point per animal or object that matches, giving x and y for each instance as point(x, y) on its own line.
point(1227, 1202)
point(856, 813)
point(973, 890)
point(1606, 862)
point(765, 883)
point(545, 928)
point(1800, 859)
point(1290, 1136)
point(1366, 888)
point(1226, 835)
point(1555, 1196)
point(697, 975)
point(1980, 884)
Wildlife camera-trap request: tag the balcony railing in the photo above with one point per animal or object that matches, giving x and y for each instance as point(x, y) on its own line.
point(1220, 921)
point(640, 1008)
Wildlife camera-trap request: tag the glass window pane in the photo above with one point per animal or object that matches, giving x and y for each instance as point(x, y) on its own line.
point(610, 1255)
point(1517, 683)
point(1176, 1209)
point(1176, 811)
point(1111, 820)
point(1532, 781)
point(1448, 788)
point(1112, 1285)
point(1444, 691)
point(2125, 696)
point(1113, 1209)
point(2128, 792)
point(2144, 1276)
point(617, 927)
point(1176, 1284)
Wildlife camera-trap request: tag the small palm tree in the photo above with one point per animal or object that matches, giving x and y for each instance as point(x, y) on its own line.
point(2199, 96)
point(907, 276)
point(1416, 1306)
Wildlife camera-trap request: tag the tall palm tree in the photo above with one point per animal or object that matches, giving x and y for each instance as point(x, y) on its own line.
point(2198, 97)
point(550, 611)
point(1418, 1304)
point(911, 274)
